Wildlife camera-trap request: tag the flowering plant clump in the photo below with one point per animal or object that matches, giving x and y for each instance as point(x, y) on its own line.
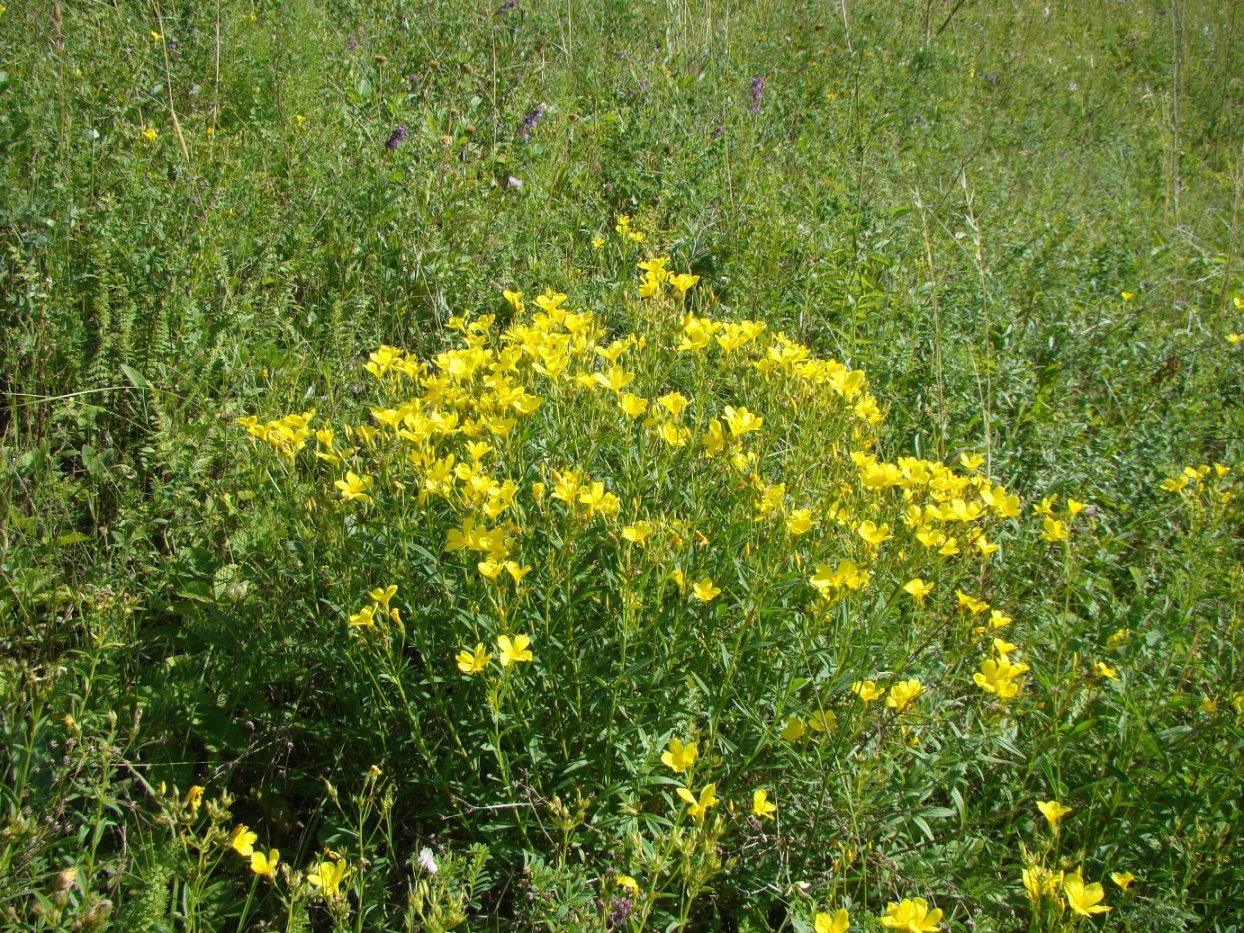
point(608, 541)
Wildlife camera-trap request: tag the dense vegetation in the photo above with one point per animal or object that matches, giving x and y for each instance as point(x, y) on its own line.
point(621, 464)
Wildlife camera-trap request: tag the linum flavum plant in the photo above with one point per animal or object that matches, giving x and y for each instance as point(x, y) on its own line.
point(662, 560)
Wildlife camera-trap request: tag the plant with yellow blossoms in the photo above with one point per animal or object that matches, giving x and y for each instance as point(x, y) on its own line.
point(328, 876)
point(1053, 811)
point(762, 807)
point(912, 915)
point(1085, 900)
point(698, 807)
point(839, 922)
point(513, 651)
point(903, 694)
point(679, 756)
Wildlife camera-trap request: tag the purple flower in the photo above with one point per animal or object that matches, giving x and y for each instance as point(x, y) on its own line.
point(529, 122)
point(397, 137)
point(758, 86)
point(508, 5)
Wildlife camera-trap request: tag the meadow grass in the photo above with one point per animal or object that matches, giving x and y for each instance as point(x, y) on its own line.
point(630, 464)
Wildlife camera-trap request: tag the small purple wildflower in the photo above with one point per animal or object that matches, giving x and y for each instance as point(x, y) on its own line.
point(718, 130)
point(352, 41)
point(758, 86)
point(397, 137)
point(619, 912)
point(529, 122)
point(508, 5)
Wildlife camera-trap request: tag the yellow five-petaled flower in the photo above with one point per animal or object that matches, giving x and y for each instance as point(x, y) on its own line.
point(679, 757)
point(265, 865)
point(903, 693)
point(838, 923)
point(473, 662)
point(1053, 811)
point(328, 877)
point(705, 590)
point(698, 808)
point(912, 915)
point(513, 651)
point(1084, 899)
point(762, 807)
point(242, 840)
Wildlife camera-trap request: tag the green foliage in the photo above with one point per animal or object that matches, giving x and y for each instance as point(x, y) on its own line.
point(1024, 226)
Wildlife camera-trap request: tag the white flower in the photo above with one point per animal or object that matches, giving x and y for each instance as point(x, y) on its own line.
point(427, 861)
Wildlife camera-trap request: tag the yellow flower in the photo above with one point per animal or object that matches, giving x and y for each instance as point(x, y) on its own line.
point(1084, 899)
point(242, 840)
point(638, 533)
point(1000, 677)
point(971, 462)
point(355, 487)
point(364, 618)
point(704, 590)
point(918, 589)
point(1003, 647)
point(1102, 669)
point(516, 570)
point(194, 798)
point(674, 403)
point(680, 757)
point(698, 808)
point(1122, 879)
point(1053, 811)
point(903, 693)
point(999, 619)
point(1233, 339)
point(265, 865)
point(515, 300)
point(971, 603)
point(597, 500)
point(150, 134)
point(1053, 531)
point(761, 807)
point(673, 435)
point(912, 915)
point(838, 923)
point(683, 281)
point(473, 662)
point(328, 877)
point(1074, 508)
point(986, 547)
point(872, 534)
point(867, 690)
point(598, 242)
point(626, 881)
point(800, 522)
point(823, 721)
point(741, 421)
point(1175, 484)
point(513, 651)
point(1127, 296)
point(632, 405)
point(794, 730)
point(382, 595)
